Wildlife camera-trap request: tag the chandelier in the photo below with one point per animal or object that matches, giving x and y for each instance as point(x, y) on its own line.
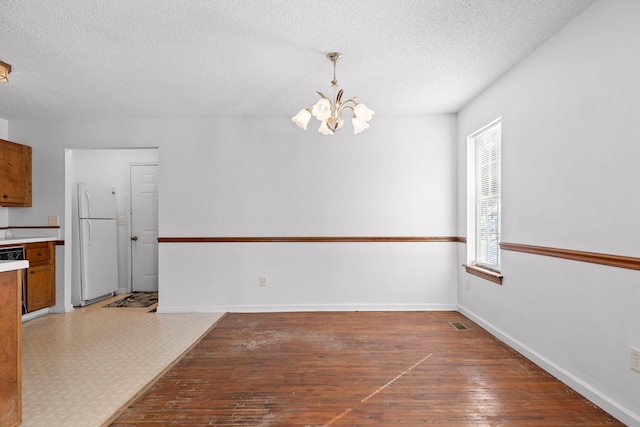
point(329, 110)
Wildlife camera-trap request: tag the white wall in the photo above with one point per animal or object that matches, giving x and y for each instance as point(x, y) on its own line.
point(4, 129)
point(266, 177)
point(4, 134)
point(570, 125)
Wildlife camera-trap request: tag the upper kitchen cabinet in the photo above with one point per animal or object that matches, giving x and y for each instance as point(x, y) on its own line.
point(15, 174)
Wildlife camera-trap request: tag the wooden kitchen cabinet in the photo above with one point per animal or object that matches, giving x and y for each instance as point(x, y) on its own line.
point(15, 174)
point(41, 275)
point(10, 350)
point(40, 292)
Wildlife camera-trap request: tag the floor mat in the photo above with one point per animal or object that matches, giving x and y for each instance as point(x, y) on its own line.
point(137, 299)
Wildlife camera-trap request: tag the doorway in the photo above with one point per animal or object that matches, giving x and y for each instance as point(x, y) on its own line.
point(106, 167)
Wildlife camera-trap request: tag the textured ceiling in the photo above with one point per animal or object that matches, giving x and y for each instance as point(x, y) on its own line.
point(76, 59)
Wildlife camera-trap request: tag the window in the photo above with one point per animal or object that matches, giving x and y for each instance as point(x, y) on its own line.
point(484, 201)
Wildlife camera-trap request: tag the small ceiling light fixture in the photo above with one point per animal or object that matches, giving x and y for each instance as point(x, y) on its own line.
point(5, 69)
point(329, 110)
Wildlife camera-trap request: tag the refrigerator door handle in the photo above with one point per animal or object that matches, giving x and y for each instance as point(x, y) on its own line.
point(88, 203)
point(90, 237)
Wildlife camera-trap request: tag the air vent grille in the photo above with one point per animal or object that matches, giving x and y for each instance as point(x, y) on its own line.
point(457, 325)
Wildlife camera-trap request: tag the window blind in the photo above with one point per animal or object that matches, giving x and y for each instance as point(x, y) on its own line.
point(488, 191)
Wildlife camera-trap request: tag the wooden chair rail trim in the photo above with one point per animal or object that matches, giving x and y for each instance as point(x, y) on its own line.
point(489, 275)
point(308, 239)
point(592, 257)
point(29, 226)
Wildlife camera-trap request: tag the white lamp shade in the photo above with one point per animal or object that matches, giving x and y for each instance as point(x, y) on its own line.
point(324, 129)
point(362, 112)
point(302, 118)
point(322, 109)
point(359, 125)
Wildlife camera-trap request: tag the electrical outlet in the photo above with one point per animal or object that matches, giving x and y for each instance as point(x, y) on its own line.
point(54, 221)
point(263, 280)
point(635, 359)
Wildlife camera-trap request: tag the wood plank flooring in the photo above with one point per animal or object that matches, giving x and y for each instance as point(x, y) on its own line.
point(356, 369)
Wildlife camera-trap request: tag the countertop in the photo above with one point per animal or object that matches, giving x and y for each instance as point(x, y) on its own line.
point(6, 265)
point(21, 240)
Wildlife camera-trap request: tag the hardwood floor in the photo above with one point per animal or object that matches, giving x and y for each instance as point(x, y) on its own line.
point(356, 368)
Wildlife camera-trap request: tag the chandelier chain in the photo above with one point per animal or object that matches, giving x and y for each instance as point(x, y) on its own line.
point(335, 80)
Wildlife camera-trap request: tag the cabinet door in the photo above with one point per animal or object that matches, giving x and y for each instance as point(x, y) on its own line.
point(10, 374)
point(40, 253)
point(41, 276)
point(41, 292)
point(15, 174)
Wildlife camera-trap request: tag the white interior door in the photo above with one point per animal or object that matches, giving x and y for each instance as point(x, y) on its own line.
point(144, 228)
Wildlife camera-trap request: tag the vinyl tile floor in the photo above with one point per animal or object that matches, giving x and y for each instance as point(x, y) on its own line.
point(81, 367)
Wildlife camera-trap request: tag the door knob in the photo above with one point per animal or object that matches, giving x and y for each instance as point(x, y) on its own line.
point(134, 238)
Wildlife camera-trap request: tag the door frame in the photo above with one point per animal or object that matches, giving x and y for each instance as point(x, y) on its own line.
point(130, 221)
point(65, 268)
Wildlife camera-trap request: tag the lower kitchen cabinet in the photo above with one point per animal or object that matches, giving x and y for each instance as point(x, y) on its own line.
point(39, 280)
point(10, 353)
point(40, 283)
point(40, 292)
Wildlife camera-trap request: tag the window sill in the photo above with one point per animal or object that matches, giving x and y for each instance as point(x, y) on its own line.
point(489, 275)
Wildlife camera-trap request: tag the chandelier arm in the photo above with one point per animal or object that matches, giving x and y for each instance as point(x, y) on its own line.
point(343, 106)
point(346, 104)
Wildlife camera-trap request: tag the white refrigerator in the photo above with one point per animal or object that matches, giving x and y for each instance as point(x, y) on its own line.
point(97, 254)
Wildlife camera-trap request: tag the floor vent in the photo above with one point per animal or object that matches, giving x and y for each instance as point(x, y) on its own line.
point(457, 325)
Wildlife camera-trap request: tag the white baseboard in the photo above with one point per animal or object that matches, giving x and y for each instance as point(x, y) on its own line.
point(61, 308)
point(603, 401)
point(304, 307)
point(34, 314)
